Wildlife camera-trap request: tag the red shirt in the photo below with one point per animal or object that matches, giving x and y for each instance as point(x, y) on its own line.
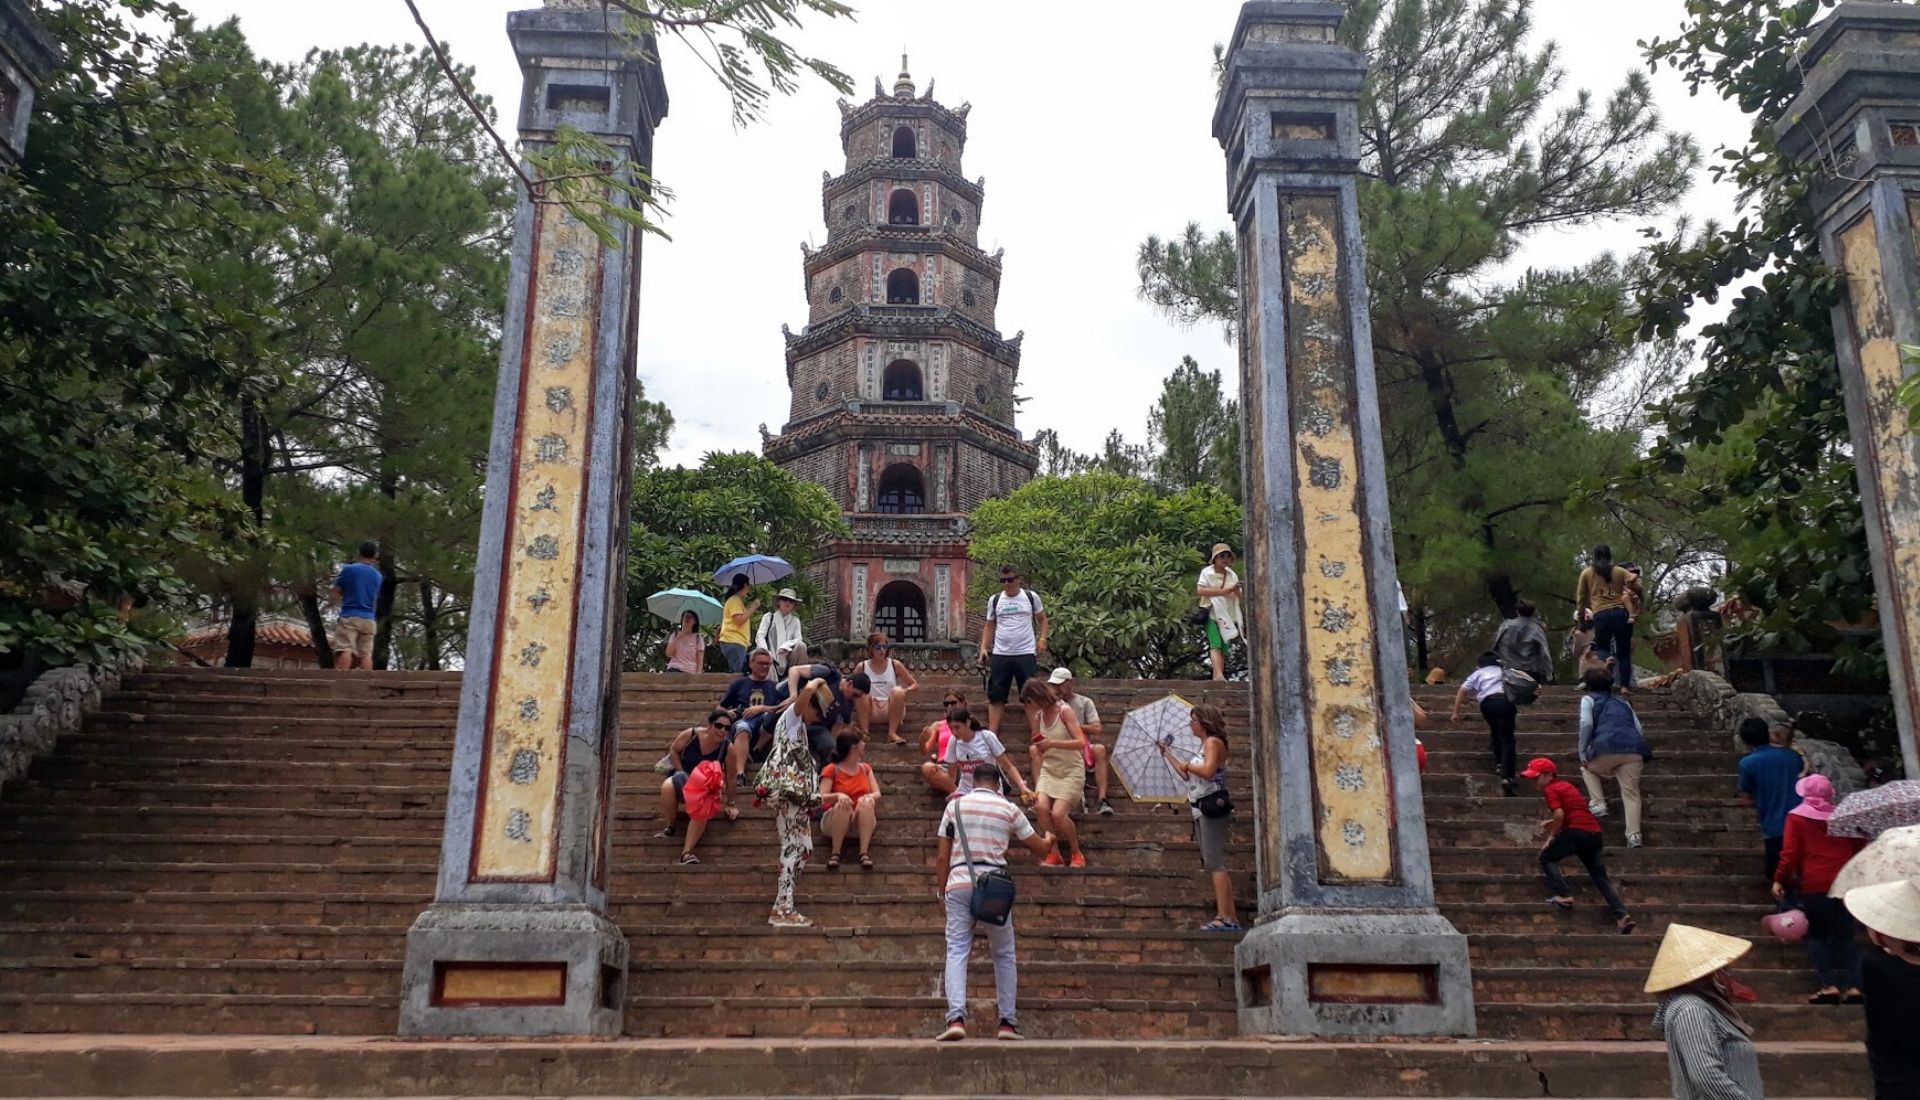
point(1810, 857)
point(1565, 797)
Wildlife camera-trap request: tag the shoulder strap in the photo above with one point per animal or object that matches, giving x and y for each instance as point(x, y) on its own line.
point(960, 829)
point(993, 604)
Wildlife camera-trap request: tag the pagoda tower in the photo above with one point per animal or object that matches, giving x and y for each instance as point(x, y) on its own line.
point(902, 388)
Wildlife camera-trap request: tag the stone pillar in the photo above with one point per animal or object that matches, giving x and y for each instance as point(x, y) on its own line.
point(517, 941)
point(27, 54)
point(1348, 941)
point(1858, 120)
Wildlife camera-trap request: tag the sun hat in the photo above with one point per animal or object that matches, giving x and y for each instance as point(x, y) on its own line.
point(1893, 855)
point(787, 594)
point(1060, 675)
point(1891, 908)
point(1220, 548)
point(1688, 954)
point(1538, 767)
point(1816, 797)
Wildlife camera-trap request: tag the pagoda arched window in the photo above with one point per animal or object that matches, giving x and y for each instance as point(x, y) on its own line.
point(903, 208)
point(903, 288)
point(905, 145)
point(901, 382)
point(900, 612)
point(902, 491)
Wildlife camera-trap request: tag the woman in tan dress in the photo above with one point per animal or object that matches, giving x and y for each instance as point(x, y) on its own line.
point(1061, 784)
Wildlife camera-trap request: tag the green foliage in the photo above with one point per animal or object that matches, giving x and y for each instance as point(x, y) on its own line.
point(1488, 381)
point(1115, 560)
point(1193, 439)
point(689, 522)
point(114, 348)
point(1758, 439)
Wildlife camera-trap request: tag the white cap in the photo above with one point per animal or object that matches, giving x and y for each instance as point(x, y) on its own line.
point(1060, 675)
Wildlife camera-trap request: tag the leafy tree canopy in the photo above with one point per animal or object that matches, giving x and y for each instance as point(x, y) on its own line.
point(1115, 559)
point(689, 522)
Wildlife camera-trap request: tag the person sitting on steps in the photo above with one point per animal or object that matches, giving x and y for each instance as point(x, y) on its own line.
point(890, 684)
point(849, 793)
point(972, 744)
point(690, 749)
point(934, 738)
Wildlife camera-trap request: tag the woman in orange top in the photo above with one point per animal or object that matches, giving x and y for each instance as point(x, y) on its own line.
point(850, 793)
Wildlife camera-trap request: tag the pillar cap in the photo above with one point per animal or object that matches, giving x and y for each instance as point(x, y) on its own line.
point(1855, 54)
point(1291, 48)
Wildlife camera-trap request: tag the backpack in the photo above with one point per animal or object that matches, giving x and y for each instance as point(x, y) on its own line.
point(1522, 689)
point(993, 891)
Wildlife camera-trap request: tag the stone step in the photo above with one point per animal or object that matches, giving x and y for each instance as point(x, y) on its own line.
point(868, 1066)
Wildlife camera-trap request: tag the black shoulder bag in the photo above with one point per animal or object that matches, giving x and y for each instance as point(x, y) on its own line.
point(993, 891)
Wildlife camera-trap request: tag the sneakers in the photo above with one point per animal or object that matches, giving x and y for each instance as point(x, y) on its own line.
point(1597, 809)
point(1634, 841)
point(956, 1031)
point(1053, 859)
point(1009, 1033)
point(1079, 861)
point(1106, 808)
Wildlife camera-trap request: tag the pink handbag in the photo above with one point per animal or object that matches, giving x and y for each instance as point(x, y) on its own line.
point(1790, 925)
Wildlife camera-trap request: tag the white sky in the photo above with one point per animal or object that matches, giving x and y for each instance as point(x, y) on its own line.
point(1091, 128)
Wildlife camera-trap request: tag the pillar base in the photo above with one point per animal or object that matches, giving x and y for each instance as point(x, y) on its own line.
point(514, 971)
point(1326, 973)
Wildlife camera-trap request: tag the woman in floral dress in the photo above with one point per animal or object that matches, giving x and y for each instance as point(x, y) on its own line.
point(788, 780)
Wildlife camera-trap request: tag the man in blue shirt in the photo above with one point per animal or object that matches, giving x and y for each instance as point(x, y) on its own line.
point(1768, 775)
point(356, 590)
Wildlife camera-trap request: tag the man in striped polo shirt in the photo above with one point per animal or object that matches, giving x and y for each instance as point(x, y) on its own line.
point(992, 824)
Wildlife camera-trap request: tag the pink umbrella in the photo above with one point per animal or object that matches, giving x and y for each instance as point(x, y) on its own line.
point(1871, 812)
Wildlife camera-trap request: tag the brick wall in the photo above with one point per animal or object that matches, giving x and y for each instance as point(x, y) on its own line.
point(836, 369)
point(981, 382)
point(874, 138)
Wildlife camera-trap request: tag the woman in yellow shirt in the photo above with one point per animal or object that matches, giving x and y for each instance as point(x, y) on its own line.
point(736, 619)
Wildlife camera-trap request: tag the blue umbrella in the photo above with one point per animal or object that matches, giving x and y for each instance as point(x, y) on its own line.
point(759, 568)
point(671, 603)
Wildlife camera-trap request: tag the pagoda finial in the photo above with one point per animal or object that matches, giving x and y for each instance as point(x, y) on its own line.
point(903, 87)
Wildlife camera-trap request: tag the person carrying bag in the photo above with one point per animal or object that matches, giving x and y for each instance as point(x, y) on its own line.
point(978, 893)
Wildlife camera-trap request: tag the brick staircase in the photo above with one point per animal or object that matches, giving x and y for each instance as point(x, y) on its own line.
point(241, 853)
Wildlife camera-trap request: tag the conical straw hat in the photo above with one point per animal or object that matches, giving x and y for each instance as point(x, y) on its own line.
point(1688, 954)
point(1893, 856)
point(1891, 909)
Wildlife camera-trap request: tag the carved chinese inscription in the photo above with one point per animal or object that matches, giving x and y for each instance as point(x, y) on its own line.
point(1343, 696)
point(533, 667)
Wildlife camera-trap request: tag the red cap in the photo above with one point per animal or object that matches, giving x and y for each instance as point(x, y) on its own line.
point(1538, 767)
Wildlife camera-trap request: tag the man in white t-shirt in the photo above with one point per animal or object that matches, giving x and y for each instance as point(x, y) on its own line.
point(991, 824)
point(1015, 634)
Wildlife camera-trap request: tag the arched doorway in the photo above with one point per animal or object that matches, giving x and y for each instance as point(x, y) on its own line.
point(902, 491)
point(904, 144)
point(903, 208)
point(901, 382)
point(900, 612)
point(903, 288)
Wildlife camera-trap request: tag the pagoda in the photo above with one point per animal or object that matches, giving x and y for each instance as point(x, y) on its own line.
point(902, 388)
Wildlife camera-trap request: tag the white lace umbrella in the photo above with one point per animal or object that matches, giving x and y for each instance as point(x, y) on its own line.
point(1893, 856)
point(1136, 752)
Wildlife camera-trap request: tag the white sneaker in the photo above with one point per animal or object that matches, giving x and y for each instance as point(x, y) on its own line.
point(1597, 809)
point(1633, 841)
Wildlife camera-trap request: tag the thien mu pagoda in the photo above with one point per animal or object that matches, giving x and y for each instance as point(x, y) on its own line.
point(902, 387)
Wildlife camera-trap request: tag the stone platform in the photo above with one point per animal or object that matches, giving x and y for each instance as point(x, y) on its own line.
point(115, 1066)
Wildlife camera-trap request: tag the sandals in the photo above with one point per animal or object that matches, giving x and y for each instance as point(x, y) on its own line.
point(1853, 997)
point(1565, 905)
point(789, 919)
point(1828, 996)
point(688, 859)
point(833, 862)
point(866, 862)
point(664, 834)
point(1627, 925)
point(1221, 924)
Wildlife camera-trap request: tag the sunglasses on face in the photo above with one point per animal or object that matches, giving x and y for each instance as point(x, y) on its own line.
point(721, 726)
point(949, 702)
